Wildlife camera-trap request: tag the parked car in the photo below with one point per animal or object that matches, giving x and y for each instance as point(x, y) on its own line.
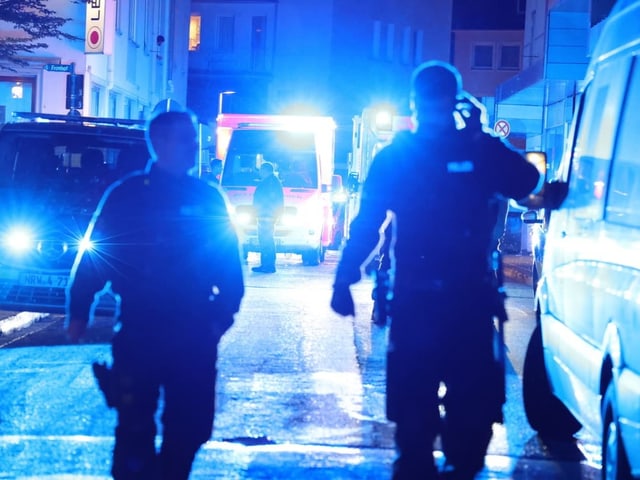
point(53, 171)
point(582, 366)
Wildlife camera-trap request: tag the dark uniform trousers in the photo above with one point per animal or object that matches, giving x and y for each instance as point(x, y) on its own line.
point(185, 368)
point(267, 242)
point(442, 336)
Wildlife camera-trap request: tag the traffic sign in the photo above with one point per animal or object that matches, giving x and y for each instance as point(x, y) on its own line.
point(59, 67)
point(94, 41)
point(502, 128)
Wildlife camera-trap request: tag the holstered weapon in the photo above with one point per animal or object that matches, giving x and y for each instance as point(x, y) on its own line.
point(381, 297)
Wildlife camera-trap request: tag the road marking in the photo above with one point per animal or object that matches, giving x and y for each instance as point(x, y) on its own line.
point(20, 320)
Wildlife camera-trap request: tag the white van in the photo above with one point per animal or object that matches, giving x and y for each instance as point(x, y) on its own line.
point(582, 367)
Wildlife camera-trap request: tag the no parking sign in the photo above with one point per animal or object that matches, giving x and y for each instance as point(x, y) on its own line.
point(502, 128)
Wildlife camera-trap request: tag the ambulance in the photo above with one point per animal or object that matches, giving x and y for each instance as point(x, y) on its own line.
point(372, 130)
point(302, 150)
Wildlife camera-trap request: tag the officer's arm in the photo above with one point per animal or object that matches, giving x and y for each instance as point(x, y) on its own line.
point(364, 231)
point(88, 274)
point(226, 265)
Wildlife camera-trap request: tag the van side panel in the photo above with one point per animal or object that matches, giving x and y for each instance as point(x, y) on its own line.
point(590, 287)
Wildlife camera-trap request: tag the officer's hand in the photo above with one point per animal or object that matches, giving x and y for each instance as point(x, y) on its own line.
point(474, 114)
point(342, 301)
point(76, 329)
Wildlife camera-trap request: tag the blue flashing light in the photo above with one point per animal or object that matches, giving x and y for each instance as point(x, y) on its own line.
point(85, 245)
point(18, 240)
point(243, 218)
point(384, 120)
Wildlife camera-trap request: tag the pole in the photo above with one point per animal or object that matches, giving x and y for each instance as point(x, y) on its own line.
point(220, 97)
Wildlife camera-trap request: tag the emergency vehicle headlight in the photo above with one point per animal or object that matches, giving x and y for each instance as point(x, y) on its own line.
point(307, 214)
point(243, 218)
point(384, 120)
point(85, 245)
point(18, 240)
point(289, 219)
point(339, 197)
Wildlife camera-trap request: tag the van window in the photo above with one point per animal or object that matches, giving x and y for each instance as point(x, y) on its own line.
point(624, 192)
point(594, 145)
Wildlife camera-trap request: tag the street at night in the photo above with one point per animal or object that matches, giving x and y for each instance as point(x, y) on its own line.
point(300, 393)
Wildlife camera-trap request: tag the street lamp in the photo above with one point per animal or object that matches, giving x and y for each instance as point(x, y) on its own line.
point(222, 94)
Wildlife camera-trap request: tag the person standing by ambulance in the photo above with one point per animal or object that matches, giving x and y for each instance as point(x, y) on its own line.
point(268, 202)
point(445, 297)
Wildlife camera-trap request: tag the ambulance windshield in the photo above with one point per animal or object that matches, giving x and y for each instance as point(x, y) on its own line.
point(293, 155)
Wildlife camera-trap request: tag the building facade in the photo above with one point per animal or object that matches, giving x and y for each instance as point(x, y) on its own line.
point(131, 55)
point(331, 57)
point(334, 57)
point(540, 101)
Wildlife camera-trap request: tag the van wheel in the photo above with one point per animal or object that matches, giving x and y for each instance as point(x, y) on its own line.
point(546, 414)
point(313, 257)
point(615, 465)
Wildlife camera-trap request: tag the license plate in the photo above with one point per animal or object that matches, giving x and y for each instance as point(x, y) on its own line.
point(43, 280)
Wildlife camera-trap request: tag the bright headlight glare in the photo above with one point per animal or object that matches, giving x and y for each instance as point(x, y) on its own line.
point(243, 218)
point(289, 219)
point(340, 197)
point(85, 245)
point(18, 240)
point(306, 214)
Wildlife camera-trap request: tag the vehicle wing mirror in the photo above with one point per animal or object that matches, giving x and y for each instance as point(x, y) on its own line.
point(530, 217)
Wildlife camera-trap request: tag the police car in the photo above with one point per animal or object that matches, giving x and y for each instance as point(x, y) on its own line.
point(53, 171)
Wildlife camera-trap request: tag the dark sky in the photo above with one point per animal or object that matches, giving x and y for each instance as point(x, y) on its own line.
point(488, 14)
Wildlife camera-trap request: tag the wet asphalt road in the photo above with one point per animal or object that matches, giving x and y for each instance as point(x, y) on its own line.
point(301, 393)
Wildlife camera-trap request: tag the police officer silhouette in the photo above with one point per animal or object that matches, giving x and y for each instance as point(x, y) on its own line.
point(164, 243)
point(441, 218)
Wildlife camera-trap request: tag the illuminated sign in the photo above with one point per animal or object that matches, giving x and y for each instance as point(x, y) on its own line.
point(95, 26)
point(59, 67)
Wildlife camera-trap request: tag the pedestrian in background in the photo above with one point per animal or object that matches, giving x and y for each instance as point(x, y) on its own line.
point(445, 296)
point(163, 242)
point(268, 202)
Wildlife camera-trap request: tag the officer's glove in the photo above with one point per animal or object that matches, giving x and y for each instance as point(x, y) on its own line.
point(474, 114)
point(342, 301)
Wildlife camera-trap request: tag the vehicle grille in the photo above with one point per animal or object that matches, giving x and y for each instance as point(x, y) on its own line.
point(47, 299)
